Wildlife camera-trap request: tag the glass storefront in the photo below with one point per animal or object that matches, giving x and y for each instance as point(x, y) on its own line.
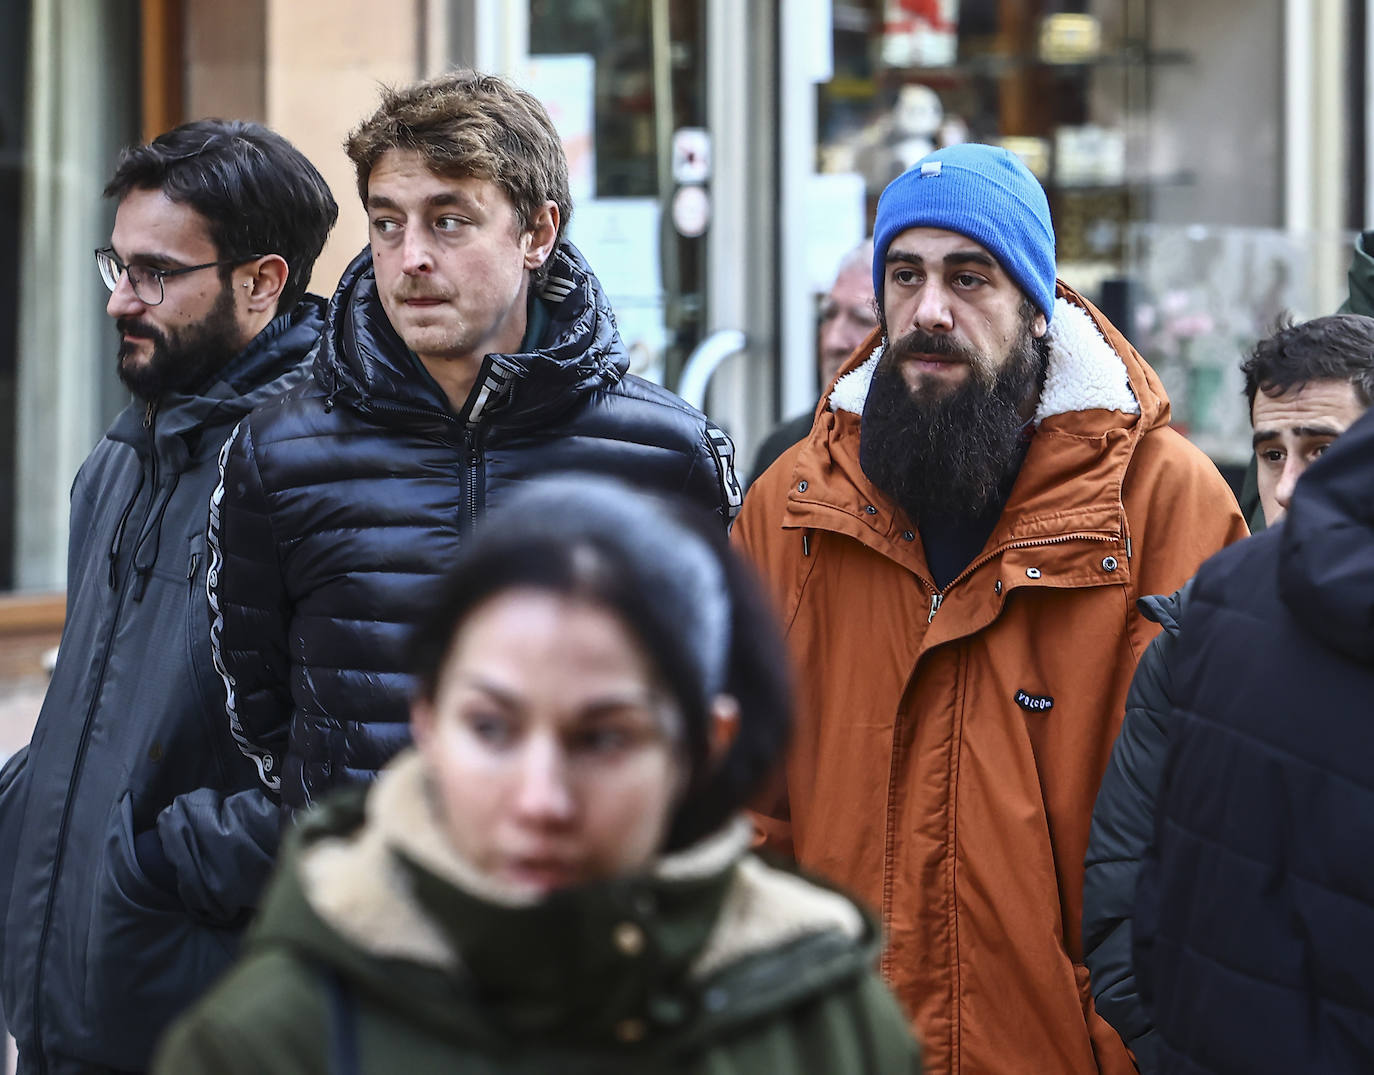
point(13, 79)
point(625, 83)
point(70, 103)
point(1157, 128)
point(724, 156)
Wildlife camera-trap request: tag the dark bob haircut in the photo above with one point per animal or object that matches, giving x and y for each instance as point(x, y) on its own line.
point(257, 192)
point(669, 575)
point(1339, 347)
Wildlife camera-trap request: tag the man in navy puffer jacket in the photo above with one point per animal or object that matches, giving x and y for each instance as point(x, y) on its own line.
point(1254, 931)
point(468, 349)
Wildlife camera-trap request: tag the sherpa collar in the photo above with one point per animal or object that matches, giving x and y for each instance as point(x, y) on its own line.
point(1085, 373)
point(359, 884)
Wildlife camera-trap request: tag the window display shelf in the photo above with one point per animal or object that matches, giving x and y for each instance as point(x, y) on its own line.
point(1176, 179)
point(1069, 92)
point(995, 65)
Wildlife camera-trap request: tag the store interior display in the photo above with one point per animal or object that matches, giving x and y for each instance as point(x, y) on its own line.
point(1073, 87)
point(1063, 83)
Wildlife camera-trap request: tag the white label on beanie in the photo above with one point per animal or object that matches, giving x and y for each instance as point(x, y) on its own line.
point(930, 168)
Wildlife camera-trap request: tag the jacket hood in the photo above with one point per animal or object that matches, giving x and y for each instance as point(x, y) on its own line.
point(273, 361)
point(363, 361)
point(1098, 402)
point(1091, 367)
point(1361, 277)
point(1326, 553)
point(377, 893)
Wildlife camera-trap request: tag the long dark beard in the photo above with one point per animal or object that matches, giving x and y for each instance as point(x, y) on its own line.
point(955, 451)
point(184, 360)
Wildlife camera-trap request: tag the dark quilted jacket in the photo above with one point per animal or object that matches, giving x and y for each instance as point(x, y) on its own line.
point(343, 501)
point(1254, 928)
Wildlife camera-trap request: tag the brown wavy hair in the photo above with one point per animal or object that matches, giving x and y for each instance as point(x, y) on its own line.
point(465, 124)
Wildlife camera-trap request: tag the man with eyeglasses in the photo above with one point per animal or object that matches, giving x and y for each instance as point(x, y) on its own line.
point(131, 825)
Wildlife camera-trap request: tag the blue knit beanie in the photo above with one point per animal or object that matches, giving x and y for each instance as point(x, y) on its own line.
point(984, 192)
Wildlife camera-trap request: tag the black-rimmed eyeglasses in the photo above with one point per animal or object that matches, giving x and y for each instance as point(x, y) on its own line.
point(147, 281)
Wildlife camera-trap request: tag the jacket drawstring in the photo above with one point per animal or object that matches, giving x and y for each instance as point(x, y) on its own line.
point(333, 387)
point(118, 538)
point(143, 566)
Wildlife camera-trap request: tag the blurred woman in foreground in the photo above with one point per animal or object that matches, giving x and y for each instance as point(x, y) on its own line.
point(557, 877)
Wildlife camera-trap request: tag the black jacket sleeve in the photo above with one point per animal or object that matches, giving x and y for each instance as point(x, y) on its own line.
point(1122, 825)
point(250, 616)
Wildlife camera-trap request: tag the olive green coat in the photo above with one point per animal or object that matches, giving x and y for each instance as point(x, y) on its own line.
point(378, 950)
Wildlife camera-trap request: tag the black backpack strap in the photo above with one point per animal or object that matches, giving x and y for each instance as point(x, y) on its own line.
point(343, 1024)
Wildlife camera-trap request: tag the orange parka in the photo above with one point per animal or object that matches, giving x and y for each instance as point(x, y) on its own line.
point(950, 742)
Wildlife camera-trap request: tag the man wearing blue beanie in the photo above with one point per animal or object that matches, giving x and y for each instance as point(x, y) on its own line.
point(956, 550)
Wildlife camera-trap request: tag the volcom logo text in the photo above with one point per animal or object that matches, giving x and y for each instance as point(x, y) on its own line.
point(1033, 703)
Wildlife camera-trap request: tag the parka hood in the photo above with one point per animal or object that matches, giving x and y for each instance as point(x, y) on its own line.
point(1099, 401)
point(1091, 367)
point(363, 361)
point(1361, 277)
point(1326, 553)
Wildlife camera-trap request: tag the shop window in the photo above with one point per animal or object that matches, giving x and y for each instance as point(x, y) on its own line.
point(70, 102)
point(623, 79)
point(1156, 127)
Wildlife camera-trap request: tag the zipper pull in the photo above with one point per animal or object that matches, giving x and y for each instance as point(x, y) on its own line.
point(148, 414)
point(936, 600)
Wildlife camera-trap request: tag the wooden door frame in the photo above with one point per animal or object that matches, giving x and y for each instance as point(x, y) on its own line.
point(163, 82)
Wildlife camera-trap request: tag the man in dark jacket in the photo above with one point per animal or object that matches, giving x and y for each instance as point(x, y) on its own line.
point(467, 349)
point(132, 824)
point(1255, 910)
point(1306, 385)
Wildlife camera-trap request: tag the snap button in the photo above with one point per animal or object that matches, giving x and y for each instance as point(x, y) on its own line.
point(629, 939)
point(870, 509)
point(1109, 564)
point(631, 1030)
point(907, 535)
point(1032, 572)
point(802, 486)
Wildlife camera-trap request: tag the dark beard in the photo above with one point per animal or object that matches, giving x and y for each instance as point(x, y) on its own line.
point(949, 452)
point(184, 360)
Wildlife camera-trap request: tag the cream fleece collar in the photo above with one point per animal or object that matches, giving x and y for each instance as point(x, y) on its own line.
point(357, 885)
point(1084, 373)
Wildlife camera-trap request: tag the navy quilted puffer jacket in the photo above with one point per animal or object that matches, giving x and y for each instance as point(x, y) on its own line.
point(342, 502)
